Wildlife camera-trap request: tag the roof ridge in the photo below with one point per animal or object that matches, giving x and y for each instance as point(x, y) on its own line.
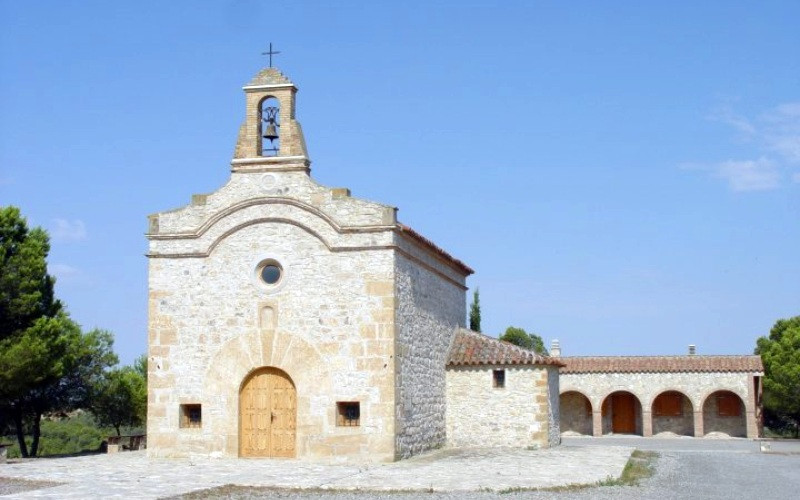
point(665, 356)
point(665, 364)
point(476, 348)
point(436, 249)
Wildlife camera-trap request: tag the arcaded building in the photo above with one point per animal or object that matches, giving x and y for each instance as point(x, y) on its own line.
point(689, 395)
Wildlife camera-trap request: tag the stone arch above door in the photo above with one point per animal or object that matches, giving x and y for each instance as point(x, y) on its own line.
point(240, 356)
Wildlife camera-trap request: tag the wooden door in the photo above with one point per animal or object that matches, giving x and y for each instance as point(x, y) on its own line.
point(623, 413)
point(267, 413)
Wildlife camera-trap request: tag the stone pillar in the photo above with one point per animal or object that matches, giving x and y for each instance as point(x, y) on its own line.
point(751, 419)
point(647, 423)
point(751, 423)
point(597, 423)
point(698, 424)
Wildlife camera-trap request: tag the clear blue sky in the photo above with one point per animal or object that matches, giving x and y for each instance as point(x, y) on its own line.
point(624, 176)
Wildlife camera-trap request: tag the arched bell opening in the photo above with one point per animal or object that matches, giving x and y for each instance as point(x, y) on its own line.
point(269, 126)
point(622, 414)
point(724, 413)
point(673, 414)
point(575, 412)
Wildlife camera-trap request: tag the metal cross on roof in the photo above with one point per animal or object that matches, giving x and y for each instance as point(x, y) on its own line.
point(270, 53)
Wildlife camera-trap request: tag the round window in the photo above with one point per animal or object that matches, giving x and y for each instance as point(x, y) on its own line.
point(271, 273)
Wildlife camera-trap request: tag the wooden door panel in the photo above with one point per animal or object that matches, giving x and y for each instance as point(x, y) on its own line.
point(283, 417)
point(268, 411)
point(623, 418)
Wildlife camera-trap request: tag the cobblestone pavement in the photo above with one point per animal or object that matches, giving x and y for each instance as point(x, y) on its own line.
point(132, 475)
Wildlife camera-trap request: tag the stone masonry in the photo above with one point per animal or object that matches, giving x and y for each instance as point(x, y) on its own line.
point(365, 309)
point(522, 412)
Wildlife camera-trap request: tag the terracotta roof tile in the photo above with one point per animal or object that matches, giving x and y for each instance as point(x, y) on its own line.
point(473, 348)
point(403, 229)
point(661, 364)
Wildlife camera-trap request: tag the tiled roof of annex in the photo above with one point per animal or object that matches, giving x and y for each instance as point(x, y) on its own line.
point(472, 348)
point(660, 364)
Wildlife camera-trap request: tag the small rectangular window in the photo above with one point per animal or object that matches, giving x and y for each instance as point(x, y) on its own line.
point(191, 416)
point(348, 414)
point(499, 378)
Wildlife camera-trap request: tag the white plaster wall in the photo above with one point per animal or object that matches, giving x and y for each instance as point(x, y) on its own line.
point(430, 306)
point(479, 414)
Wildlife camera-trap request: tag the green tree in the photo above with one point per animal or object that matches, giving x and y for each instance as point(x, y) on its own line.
point(140, 365)
point(46, 362)
point(780, 353)
point(475, 312)
point(29, 315)
point(120, 398)
point(519, 337)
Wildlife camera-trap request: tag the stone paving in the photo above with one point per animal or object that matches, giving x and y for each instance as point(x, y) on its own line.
point(133, 475)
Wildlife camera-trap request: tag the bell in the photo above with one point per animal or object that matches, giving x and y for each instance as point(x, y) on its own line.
point(271, 133)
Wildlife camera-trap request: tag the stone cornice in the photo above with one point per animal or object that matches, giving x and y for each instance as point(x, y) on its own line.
point(253, 88)
point(271, 164)
point(269, 201)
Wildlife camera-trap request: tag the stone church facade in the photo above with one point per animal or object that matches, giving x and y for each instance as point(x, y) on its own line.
point(288, 319)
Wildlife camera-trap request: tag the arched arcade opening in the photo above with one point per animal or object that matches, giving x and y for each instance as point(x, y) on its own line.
point(622, 414)
point(724, 412)
point(575, 413)
point(672, 413)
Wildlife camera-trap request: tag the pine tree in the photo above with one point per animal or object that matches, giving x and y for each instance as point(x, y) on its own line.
point(475, 312)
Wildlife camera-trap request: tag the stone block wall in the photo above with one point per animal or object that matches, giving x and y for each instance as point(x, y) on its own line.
point(735, 426)
point(553, 406)
point(329, 322)
point(518, 415)
point(431, 304)
point(682, 425)
point(576, 413)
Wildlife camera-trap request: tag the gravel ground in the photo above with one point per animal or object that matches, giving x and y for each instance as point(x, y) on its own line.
point(10, 486)
point(679, 475)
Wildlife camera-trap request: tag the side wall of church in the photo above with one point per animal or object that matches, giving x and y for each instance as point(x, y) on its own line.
point(430, 304)
point(517, 415)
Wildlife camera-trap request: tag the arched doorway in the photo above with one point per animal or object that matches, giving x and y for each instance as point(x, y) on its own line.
point(723, 412)
point(575, 413)
point(267, 414)
point(672, 412)
point(622, 413)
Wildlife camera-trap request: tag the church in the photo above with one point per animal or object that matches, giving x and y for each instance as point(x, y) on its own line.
point(290, 319)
